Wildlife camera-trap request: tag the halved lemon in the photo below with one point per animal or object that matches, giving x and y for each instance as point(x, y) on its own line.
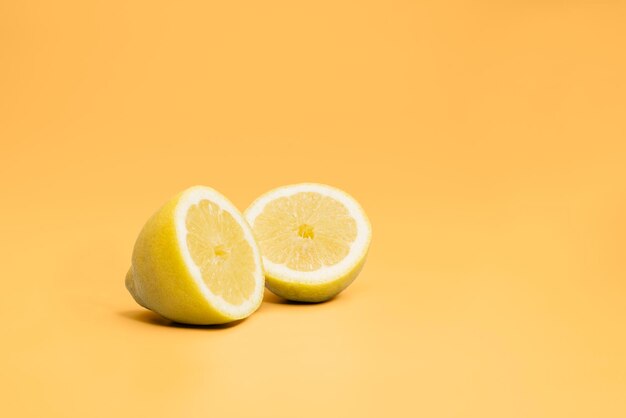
point(313, 238)
point(196, 261)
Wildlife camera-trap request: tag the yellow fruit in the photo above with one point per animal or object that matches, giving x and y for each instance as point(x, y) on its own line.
point(313, 238)
point(196, 261)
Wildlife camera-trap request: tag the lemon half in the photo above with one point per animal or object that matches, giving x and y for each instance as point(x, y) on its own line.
point(196, 261)
point(313, 239)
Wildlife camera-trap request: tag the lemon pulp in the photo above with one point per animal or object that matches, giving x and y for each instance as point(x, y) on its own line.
point(305, 231)
point(218, 247)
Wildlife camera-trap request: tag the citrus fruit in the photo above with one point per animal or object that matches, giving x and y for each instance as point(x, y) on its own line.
point(313, 239)
point(196, 261)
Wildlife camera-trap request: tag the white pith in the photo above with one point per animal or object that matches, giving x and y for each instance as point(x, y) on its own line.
point(358, 248)
point(191, 197)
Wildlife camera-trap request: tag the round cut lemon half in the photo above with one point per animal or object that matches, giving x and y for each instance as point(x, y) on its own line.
point(196, 261)
point(313, 238)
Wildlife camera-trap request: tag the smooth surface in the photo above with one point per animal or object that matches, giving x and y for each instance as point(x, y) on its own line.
point(485, 140)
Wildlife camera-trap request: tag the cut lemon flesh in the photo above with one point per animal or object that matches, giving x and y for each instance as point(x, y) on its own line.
point(305, 231)
point(218, 247)
point(314, 239)
point(196, 261)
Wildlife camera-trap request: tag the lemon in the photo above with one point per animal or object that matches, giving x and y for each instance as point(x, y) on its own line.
point(313, 239)
point(196, 261)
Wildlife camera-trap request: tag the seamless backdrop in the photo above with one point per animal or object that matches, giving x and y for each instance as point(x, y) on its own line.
point(486, 141)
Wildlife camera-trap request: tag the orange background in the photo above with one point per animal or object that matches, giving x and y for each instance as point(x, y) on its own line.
point(486, 140)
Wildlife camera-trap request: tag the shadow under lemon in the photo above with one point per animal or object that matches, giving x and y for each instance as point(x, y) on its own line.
point(269, 297)
point(148, 317)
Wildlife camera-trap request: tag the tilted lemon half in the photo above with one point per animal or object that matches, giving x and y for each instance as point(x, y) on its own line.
point(196, 261)
point(313, 238)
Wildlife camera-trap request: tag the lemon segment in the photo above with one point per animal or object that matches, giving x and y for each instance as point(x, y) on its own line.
point(313, 238)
